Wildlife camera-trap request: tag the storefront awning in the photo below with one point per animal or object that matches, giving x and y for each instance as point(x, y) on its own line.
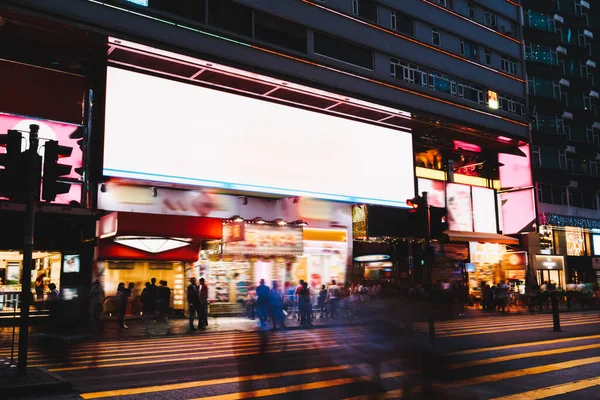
point(157, 225)
point(458, 236)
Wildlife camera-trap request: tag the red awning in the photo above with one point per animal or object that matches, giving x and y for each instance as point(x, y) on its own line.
point(159, 225)
point(109, 250)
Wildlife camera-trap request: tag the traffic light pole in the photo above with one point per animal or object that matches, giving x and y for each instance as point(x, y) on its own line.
point(33, 185)
point(428, 267)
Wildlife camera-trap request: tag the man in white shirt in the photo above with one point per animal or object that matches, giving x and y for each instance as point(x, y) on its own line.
point(333, 298)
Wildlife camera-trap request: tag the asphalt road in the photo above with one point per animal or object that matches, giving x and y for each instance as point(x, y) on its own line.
point(487, 357)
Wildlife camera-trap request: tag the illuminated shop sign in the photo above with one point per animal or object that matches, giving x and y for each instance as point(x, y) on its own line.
point(191, 135)
point(267, 240)
point(596, 243)
point(514, 261)
point(372, 258)
point(492, 100)
point(549, 262)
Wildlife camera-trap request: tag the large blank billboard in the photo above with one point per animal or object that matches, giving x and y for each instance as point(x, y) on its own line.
point(166, 131)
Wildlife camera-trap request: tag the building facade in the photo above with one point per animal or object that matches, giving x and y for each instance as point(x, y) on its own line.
point(561, 58)
point(282, 114)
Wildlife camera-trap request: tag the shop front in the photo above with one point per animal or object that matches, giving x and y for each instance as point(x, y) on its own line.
point(274, 252)
point(550, 269)
point(137, 248)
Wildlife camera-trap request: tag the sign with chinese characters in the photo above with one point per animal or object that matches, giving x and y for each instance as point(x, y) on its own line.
point(549, 262)
point(234, 232)
point(268, 240)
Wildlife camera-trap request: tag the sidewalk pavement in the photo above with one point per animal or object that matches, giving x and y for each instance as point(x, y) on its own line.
point(37, 382)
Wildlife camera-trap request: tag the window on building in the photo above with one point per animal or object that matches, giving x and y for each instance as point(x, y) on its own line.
point(366, 9)
point(470, 92)
point(541, 21)
point(402, 23)
point(547, 123)
point(442, 83)
point(488, 57)
point(230, 16)
point(535, 152)
point(343, 50)
point(469, 49)
point(589, 134)
point(508, 66)
point(578, 8)
point(408, 72)
point(436, 38)
point(490, 19)
point(511, 105)
point(471, 10)
point(280, 32)
point(562, 159)
point(444, 3)
point(540, 53)
point(587, 103)
point(543, 87)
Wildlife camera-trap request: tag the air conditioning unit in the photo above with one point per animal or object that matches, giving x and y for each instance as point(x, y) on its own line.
point(573, 184)
point(568, 115)
point(585, 4)
point(565, 82)
point(588, 34)
point(558, 18)
point(562, 50)
point(591, 63)
point(594, 94)
point(570, 149)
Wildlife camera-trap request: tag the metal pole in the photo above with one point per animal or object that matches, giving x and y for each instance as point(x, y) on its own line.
point(33, 185)
point(428, 267)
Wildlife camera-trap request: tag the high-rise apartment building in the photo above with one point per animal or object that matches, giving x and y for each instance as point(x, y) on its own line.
point(562, 56)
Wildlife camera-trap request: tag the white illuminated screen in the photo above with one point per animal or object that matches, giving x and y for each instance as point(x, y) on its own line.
point(484, 209)
point(596, 241)
point(166, 131)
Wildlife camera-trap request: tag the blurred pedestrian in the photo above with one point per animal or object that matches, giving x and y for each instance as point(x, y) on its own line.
point(164, 304)
point(262, 302)
point(304, 305)
point(276, 306)
point(97, 304)
point(147, 302)
point(193, 296)
point(333, 298)
point(153, 298)
point(40, 285)
point(203, 304)
point(122, 302)
point(321, 302)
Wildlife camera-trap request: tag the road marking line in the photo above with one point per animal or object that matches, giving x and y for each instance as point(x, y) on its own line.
point(301, 387)
point(231, 345)
point(553, 390)
point(518, 356)
point(514, 329)
point(195, 384)
point(503, 321)
point(392, 394)
point(504, 325)
point(518, 345)
point(522, 372)
point(184, 359)
point(233, 351)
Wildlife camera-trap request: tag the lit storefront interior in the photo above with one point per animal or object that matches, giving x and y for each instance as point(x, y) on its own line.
point(46, 266)
point(135, 247)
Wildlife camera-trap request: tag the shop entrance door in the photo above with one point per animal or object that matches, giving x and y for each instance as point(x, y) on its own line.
point(550, 276)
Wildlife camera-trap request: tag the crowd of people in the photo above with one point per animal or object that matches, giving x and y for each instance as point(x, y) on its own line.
point(305, 303)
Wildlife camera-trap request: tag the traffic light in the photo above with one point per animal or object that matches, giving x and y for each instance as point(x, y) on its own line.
point(13, 180)
point(55, 173)
point(416, 204)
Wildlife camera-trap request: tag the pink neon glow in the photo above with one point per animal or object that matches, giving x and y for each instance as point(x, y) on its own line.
point(504, 139)
point(518, 211)
point(460, 145)
point(54, 131)
point(515, 171)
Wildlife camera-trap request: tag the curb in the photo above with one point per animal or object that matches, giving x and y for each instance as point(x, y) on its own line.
point(28, 387)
